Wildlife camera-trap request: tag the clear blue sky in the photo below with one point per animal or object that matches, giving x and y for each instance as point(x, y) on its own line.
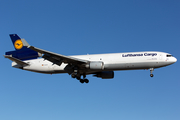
point(91, 26)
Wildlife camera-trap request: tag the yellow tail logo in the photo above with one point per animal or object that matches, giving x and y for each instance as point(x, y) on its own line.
point(18, 44)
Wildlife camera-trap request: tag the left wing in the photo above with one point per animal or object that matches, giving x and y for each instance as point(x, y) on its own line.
point(56, 58)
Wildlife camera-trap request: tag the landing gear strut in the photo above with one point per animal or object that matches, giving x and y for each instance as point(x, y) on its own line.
point(76, 75)
point(151, 70)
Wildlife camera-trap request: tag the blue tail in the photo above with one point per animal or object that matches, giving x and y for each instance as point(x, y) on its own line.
point(21, 52)
point(16, 40)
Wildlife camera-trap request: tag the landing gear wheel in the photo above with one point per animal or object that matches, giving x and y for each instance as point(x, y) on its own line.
point(86, 80)
point(151, 70)
point(73, 75)
point(81, 81)
point(151, 75)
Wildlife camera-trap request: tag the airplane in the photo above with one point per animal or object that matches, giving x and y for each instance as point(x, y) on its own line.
point(30, 58)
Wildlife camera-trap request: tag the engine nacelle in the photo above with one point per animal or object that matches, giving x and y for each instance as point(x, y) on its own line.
point(96, 65)
point(105, 74)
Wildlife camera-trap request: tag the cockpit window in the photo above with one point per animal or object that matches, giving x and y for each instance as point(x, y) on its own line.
point(168, 55)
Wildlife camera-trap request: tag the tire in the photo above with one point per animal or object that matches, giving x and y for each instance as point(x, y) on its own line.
point(151, 75)
point(86, 80)
point(81, 81)
point(73, 75)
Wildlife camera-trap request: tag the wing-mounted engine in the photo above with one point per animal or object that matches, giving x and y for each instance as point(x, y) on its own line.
point(105, 74)
point(95, 65)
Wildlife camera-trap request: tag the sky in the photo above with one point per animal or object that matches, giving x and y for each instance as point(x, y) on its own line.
point(75, 27)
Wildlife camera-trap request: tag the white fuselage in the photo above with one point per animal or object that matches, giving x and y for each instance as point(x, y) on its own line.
point(115, 61)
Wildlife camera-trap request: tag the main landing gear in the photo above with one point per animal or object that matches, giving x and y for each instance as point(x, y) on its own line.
point(151, 71)
point(78, 77)
point(84, 81)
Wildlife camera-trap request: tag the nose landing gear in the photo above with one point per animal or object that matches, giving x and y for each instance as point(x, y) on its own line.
point(151, 71)
point(151, 75)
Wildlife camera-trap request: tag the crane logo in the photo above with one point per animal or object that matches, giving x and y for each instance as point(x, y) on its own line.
point(18, 44)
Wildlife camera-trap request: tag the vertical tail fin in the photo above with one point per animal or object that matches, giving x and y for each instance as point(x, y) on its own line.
point(16, 40)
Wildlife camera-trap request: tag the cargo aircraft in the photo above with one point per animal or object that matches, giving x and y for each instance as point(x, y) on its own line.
point(34, 59)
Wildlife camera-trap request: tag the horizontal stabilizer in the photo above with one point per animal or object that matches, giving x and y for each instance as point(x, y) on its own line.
point(16, 60)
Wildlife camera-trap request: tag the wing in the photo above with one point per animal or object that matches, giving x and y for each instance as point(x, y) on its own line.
point(56, 58)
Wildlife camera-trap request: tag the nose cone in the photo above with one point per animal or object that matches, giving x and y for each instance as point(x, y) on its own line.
point(174, 59)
